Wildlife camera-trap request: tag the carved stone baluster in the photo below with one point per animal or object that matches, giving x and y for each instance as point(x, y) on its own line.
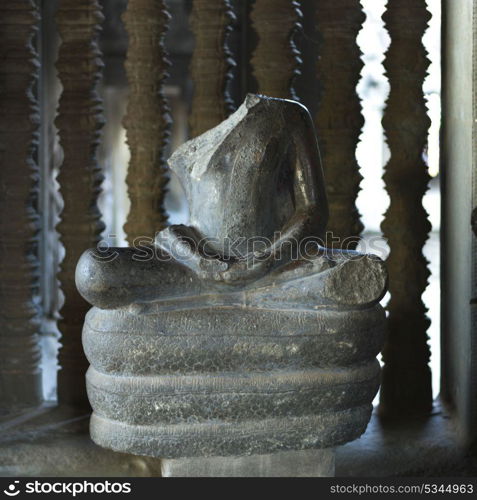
point(147, 120)
point(79, 122)
point(406, 377)
point(339, 120)
point(211, 63)
point(20, 377)
point(275, 60)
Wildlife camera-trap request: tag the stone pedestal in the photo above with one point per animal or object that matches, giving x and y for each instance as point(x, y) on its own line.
point(230, 380)
point(308, 463)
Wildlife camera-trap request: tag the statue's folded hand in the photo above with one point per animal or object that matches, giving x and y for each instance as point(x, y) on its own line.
point(245, 270)
point(211, 269)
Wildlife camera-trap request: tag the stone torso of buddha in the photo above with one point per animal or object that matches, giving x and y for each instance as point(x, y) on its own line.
point(255, 176)
point(247, 178)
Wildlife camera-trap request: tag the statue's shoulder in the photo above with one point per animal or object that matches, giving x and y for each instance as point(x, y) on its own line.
point(291, 113)
point(264, 102)
point(258, 118)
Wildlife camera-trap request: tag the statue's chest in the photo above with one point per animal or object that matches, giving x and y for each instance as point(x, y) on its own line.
point(247, 195)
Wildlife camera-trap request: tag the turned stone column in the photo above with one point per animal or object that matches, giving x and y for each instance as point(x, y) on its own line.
point(276, 60)
point(79, 123)
point(406, 388)
point(211, 64)
point(20, 376)
point(147, 119)
point(339, 120)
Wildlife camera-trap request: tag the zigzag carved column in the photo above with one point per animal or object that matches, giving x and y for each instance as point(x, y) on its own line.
point(79, 122)
point(339, 121)
point(406, 385)
point(147, 120)
point(20, 377)
point(276, 60)
point(211, 64)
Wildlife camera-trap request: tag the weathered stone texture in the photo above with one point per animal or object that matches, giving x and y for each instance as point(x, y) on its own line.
point(198, 349)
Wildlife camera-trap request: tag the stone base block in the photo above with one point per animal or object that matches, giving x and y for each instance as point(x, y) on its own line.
point(305, 463)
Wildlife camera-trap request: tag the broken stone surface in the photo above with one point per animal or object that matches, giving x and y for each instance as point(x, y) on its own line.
point(238, 334)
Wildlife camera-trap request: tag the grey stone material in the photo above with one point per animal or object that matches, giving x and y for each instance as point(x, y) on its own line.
point(308, 463)
point(178, 399)
point(216, 438)
point(201, 349)
point(228, 338)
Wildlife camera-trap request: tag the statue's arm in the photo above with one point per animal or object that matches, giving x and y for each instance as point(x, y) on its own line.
point(309, 184)
point(185, 246)
point(311, 206)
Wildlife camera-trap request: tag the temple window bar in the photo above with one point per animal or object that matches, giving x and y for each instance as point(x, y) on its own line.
point(102, 91)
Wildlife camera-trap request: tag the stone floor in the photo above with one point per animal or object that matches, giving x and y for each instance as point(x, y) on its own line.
point(53, 441)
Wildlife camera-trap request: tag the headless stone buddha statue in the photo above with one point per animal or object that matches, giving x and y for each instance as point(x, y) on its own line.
point(239, 333)
point(258, 209)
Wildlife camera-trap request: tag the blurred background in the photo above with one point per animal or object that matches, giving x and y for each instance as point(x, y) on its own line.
point(372, 151)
